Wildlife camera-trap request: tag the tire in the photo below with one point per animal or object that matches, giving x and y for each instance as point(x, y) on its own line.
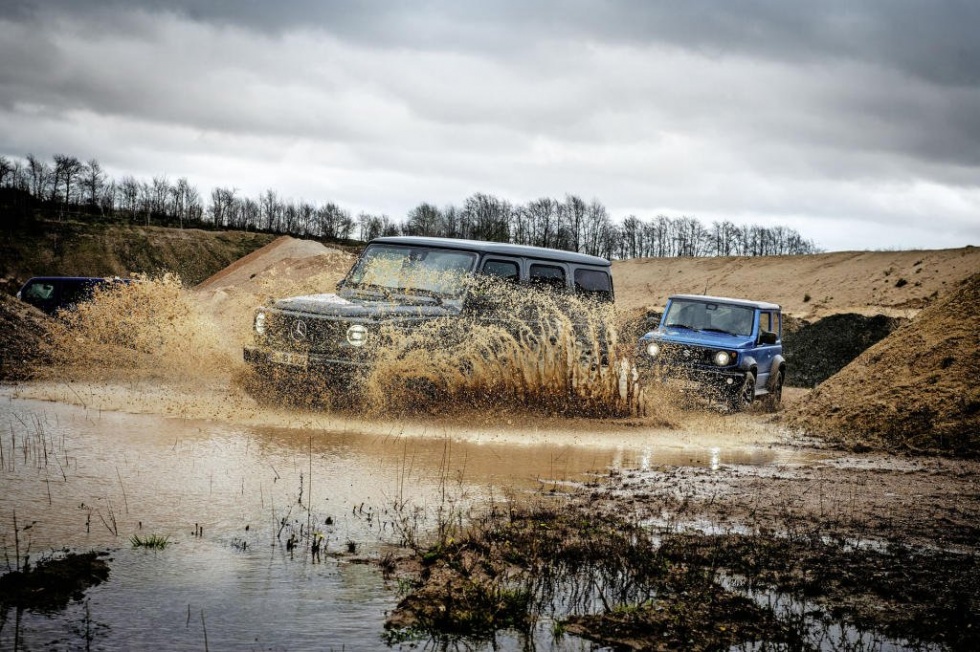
point(742, 397)
point(770, 402)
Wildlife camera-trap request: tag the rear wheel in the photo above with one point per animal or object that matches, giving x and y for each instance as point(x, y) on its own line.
point(742, 397)
point(771, 400)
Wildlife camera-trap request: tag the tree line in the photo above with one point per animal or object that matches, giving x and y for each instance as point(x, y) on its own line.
point(68, 187)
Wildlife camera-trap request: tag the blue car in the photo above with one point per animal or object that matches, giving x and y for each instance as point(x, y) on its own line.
point(730, 349)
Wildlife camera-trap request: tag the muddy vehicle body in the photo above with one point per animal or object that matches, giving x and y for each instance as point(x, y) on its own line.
point(401, 283)
point(724, 348)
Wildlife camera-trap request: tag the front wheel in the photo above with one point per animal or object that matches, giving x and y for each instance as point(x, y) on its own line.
point(742, 397)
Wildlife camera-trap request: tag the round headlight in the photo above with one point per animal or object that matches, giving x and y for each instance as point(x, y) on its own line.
point(653, 349)
point(260, 322)
point(723, 358)
point(357, 335)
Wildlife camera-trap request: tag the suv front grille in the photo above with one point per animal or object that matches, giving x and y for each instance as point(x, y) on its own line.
point(308, 334)
point(682, 355)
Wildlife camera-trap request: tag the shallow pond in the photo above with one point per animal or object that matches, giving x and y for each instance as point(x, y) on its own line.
point(228, 496)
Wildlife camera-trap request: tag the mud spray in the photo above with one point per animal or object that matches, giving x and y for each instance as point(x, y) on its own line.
point(147, 329)
point(540, 354)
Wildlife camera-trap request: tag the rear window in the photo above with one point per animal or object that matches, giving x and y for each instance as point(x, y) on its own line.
point(547, 277)
point(503, 269)
point(593, 284)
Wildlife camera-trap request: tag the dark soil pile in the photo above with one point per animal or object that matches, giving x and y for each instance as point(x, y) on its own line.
point(24, 339)
point(916, 390)
point(816, 351)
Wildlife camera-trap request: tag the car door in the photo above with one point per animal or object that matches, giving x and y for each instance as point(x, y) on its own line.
point(766, 353)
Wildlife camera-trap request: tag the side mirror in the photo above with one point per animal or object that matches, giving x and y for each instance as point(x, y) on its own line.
point(765, 337)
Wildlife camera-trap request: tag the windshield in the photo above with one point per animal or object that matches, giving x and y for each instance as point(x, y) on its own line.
point(409, 270)
point(705, 316)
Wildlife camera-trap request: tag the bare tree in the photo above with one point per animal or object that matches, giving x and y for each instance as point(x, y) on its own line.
point(595, 228)
point(631, 238)
point(92, 181)
point(129, 190)
point(573, 217)
point(6, 171)
point(181, 195)
point(159, 192)
point(67, 169)
point(271, 211)
point(542, 216)
point(487, 217)
point(250, 213)
point(39, 174)
point(424, 219)
point(222, 203)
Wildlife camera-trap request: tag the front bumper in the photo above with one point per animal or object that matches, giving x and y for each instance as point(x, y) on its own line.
point(692, 377)
point(298, 361)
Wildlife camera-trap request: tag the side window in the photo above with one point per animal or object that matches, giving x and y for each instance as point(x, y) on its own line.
point(593, 284)
point(769, 322)
point(506, 270)
point(765, 322)
point(549, 277)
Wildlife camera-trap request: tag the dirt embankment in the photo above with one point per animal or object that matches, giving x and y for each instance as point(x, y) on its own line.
point(81, 249)
point(891, 283)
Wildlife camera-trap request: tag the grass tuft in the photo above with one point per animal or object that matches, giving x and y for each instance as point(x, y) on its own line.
point(152, 542)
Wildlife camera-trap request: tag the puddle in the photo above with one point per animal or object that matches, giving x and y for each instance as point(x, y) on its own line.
point(228, 492)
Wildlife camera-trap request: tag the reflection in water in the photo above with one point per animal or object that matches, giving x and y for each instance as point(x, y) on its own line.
point(229, 497)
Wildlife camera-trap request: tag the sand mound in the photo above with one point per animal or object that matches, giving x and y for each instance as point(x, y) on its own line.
point(915, 390)
point(287, 266)
point(248, 267)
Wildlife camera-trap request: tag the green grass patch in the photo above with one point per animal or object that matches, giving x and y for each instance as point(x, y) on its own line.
point(152, 542)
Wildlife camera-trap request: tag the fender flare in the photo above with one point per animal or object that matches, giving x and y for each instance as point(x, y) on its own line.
point(778, 364)
point(748, 363)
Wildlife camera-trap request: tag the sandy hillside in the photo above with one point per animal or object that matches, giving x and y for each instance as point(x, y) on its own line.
point(897, 284)
point(916, 389)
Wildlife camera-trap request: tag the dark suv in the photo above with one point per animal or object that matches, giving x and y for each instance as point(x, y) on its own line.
point(405, 282)
point(51, 294)
point(732, 348)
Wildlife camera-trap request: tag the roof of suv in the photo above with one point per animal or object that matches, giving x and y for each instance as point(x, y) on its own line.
point(502, 248)
point(761, 305)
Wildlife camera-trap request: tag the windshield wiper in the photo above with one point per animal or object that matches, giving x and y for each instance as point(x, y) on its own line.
point(371, 289)
point(687, 326)
point(718, 330)
point(391, 293)
point(429, 295)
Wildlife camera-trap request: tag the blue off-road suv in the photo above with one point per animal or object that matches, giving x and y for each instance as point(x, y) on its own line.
point(728, 348)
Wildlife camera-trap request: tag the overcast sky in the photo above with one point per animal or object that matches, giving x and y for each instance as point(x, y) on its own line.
point(855, 123)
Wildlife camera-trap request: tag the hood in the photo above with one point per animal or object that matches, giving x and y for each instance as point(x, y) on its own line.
point(332, 305)
point(712, 339)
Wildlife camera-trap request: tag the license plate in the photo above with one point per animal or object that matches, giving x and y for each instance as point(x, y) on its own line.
point(289, 358)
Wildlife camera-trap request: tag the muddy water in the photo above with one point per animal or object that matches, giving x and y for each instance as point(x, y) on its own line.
point(229, 487)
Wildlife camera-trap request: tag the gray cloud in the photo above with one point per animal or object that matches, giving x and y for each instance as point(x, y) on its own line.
point(751, 109)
